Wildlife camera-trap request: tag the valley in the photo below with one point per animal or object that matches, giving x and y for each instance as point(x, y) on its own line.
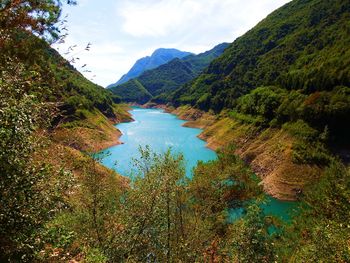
point(234, 154)
point(162, 131)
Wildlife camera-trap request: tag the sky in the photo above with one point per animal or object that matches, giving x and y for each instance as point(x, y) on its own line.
point(122, 31)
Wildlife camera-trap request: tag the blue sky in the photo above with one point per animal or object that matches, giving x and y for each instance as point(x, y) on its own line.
point(122, 31)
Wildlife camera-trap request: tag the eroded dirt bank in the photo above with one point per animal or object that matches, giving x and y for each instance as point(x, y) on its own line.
point(94, 133)
point(268, 152)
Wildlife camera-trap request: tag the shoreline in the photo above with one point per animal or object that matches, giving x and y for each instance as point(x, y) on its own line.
point(255, 148)
point(95, 133)
point(118, 134)
point(267, 152)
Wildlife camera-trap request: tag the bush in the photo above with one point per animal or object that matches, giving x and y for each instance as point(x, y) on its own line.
point(301, 130)
point(263, 101)
point(311, 153)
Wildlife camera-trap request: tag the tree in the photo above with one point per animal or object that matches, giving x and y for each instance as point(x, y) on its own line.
point(151, 215)
point(321, 231)
point(36, 17)
point(30, 190)
point(251, 240)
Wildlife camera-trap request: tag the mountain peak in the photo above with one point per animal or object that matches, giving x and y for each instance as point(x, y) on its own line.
point(167, 77)
point(167, 51)
point(159, 57)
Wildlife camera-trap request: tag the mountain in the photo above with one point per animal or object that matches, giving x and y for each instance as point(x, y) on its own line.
point(167, 77)
point(303, 45)
point(132, 91)
point(159, 57)
point(295, 64)
point(83, 110)
point(69, 89)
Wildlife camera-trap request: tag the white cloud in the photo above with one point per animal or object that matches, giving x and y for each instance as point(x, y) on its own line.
point(157, 18)
point(198, 18)
point(125, 30)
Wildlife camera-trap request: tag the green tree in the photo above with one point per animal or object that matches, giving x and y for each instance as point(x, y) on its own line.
point(38, 17)
point(95, 206)
point(321, 232)
point(251, 240)
point(152, 218)
point(30, 190)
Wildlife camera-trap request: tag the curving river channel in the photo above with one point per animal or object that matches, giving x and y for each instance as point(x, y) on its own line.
point(160, 131)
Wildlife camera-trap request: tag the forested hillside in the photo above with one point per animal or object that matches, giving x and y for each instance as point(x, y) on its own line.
point(295, 63)
point(166, 78)
point(68, 87)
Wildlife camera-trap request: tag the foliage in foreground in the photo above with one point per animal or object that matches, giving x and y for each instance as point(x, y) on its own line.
point(161, 217)
point(167, 218)
point(321, 232)
point(34, 79)
point(31, 191)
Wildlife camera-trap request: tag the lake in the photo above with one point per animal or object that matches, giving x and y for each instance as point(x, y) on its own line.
point(161, 130)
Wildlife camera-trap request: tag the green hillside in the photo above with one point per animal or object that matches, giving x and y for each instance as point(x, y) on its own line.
point(132, 91)
point(300, 55)
point(167, 77)
point(69, 88)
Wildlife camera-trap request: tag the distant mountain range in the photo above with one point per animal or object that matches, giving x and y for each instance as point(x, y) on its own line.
point(159, 57)
point(166, 77)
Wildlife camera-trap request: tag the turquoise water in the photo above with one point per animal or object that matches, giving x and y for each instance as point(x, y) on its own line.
point(284, 210)
point(162, 130)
